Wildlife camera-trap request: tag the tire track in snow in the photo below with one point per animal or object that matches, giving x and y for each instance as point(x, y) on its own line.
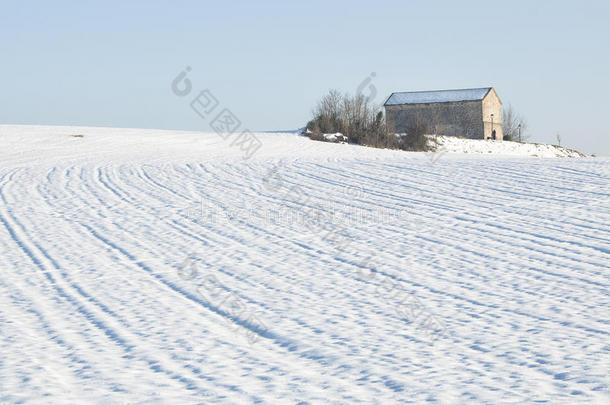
point(281, 341)
point(108, 327)
point(321, 358)
point(522, 314)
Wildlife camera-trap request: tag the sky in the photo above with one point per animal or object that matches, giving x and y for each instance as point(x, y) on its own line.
point(112, 63)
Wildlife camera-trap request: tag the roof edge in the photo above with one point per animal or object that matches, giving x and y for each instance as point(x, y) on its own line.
point(387, 99)
point(437, 91)
point(495, 92)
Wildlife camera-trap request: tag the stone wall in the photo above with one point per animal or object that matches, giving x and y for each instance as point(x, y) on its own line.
point(464, 118)
point(492, 105)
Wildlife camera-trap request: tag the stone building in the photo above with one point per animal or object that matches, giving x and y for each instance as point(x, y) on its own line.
point(469, 113)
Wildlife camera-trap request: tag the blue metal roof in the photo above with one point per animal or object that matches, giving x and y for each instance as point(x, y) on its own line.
point(437, 96)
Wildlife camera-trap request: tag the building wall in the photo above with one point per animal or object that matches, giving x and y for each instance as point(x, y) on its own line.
point(464, 118)
point(492, 105)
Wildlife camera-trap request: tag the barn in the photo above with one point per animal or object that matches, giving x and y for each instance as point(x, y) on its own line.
point(468, 113)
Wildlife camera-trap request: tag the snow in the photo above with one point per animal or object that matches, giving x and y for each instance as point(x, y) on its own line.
point(336, 137)
point(451, 144)
point(437, 96)
point(146, 266)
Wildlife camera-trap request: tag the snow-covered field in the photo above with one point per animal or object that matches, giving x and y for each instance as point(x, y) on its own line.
point(142, 266)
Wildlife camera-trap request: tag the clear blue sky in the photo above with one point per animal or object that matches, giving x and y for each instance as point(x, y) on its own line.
point(110, 63)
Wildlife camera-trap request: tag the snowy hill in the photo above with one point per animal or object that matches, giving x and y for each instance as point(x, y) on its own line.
point(145, 266)
point(452, 144)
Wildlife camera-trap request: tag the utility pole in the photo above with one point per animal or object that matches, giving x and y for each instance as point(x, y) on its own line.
point(519, 132)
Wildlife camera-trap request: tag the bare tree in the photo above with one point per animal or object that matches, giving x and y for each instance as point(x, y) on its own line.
point(356, 117)
point(328, 111)
point(514, 125)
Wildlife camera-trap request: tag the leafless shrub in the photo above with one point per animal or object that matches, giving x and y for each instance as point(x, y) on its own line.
point(514, 125)
point(353, 116)
point(364, 123)
point(416, 139)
